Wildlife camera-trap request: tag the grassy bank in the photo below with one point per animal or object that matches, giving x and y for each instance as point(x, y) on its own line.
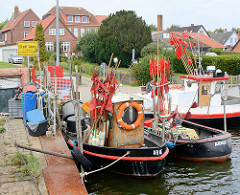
point(7, 65)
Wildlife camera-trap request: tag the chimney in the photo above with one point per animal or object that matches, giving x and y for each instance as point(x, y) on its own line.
point(16, 11)
point(238, 34)
point(192, 24)
point(159, 23)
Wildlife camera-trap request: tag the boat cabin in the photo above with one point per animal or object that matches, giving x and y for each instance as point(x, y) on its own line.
point(206, 90)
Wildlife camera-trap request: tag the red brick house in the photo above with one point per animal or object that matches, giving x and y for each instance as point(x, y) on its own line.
point(66, 37)
point(19, 26)
point(77, 19)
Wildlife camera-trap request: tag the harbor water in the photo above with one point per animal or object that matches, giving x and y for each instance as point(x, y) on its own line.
point(178, 177)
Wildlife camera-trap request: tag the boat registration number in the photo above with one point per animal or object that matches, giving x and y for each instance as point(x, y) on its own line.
point(219, 143)
point(157, 152)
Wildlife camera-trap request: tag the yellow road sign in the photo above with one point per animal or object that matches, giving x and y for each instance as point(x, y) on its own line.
point(27, 48)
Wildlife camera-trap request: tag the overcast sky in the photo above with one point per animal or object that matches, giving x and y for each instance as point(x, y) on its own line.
point(210, 13)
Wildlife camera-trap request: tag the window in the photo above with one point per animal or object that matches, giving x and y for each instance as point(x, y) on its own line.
point(26, 23)
point(49, 46)
point(231, 40)
point(77, 18)
point(84, 19)
point(5, 36)
point(61, 31)
point(25, 34)
point(65, 46)
point(82, 31)
point(70, 18)
point(236, 39)
point(70, 29)
point(52, 31)
point(34, 23)
point(75, 32)
point(205, 90)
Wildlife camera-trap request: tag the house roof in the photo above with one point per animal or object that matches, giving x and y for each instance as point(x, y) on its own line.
point(64, 11)
point(205, 41)
point(190, 29)
point(14, 21)
point(45, 23)
point(100, 18)
point(236, 47)
point(221, 37)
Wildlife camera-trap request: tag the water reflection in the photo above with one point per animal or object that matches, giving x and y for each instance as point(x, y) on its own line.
point(178, 177)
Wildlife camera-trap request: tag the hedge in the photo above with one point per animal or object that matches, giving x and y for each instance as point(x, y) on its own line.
point(226, 63)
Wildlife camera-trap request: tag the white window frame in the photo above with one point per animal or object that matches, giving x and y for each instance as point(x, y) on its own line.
point(61, 31)
point(25, 34)
point(83, 20)
point(27, 24)
point(49, 46)
point(75, 32)
point(5, 36)
point(65, 46)
point(82, 31)
point(52, 31)
point(70, 29)
point(34, 23)
point(69, 18)
point(76, 18)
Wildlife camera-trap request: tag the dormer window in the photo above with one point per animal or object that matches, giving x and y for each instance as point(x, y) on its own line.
point(84, 19)
point(70, 18)
point(77, 18)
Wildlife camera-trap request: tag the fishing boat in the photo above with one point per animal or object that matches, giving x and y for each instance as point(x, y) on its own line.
point(115, 138)
point(194, 142)
point(207, 88)
point(146, 154)
point(210, 93)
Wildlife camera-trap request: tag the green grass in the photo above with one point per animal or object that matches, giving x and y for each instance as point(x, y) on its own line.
point(31, 161)
point(7, 65)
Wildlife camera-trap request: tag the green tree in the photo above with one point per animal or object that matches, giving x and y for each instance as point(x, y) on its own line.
point(173, 26)
point(219, 30)
point(87, 45)
point(39, 36)
point(153, 27)
point(235, 29)
point(2, 24)
point(120, 33)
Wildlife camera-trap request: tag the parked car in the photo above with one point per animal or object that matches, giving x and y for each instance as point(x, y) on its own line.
point(14, 59)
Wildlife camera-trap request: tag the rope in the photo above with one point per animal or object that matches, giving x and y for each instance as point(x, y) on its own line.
point(114, 162)
point(35, 184)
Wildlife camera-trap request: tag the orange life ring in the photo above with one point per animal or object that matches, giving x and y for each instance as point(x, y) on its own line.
point(175, 86)
point(120, 111)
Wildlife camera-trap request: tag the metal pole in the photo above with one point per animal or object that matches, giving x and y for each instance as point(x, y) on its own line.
point(28, 61)
point(54, 103)
point(57, 35)
point(225, 117)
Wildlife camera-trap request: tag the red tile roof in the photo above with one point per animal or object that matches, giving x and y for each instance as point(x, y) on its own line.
point(45, 23)
point(100, 18)
point(64, 11)
point(206, 40)
point(14, 21)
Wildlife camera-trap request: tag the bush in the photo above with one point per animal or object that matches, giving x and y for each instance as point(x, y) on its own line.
point(219, 51)
point(141, 70)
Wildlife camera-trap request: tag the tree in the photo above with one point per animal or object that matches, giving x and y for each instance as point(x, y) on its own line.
point(219, 30)
point(39, 36)
point(235, 29)
point(2, 24)
point(120, 33)
point(152, 27)
point(87, 45)
point(173, 26)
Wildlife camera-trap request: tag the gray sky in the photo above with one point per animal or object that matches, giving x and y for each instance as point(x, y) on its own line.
point(210, 13)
